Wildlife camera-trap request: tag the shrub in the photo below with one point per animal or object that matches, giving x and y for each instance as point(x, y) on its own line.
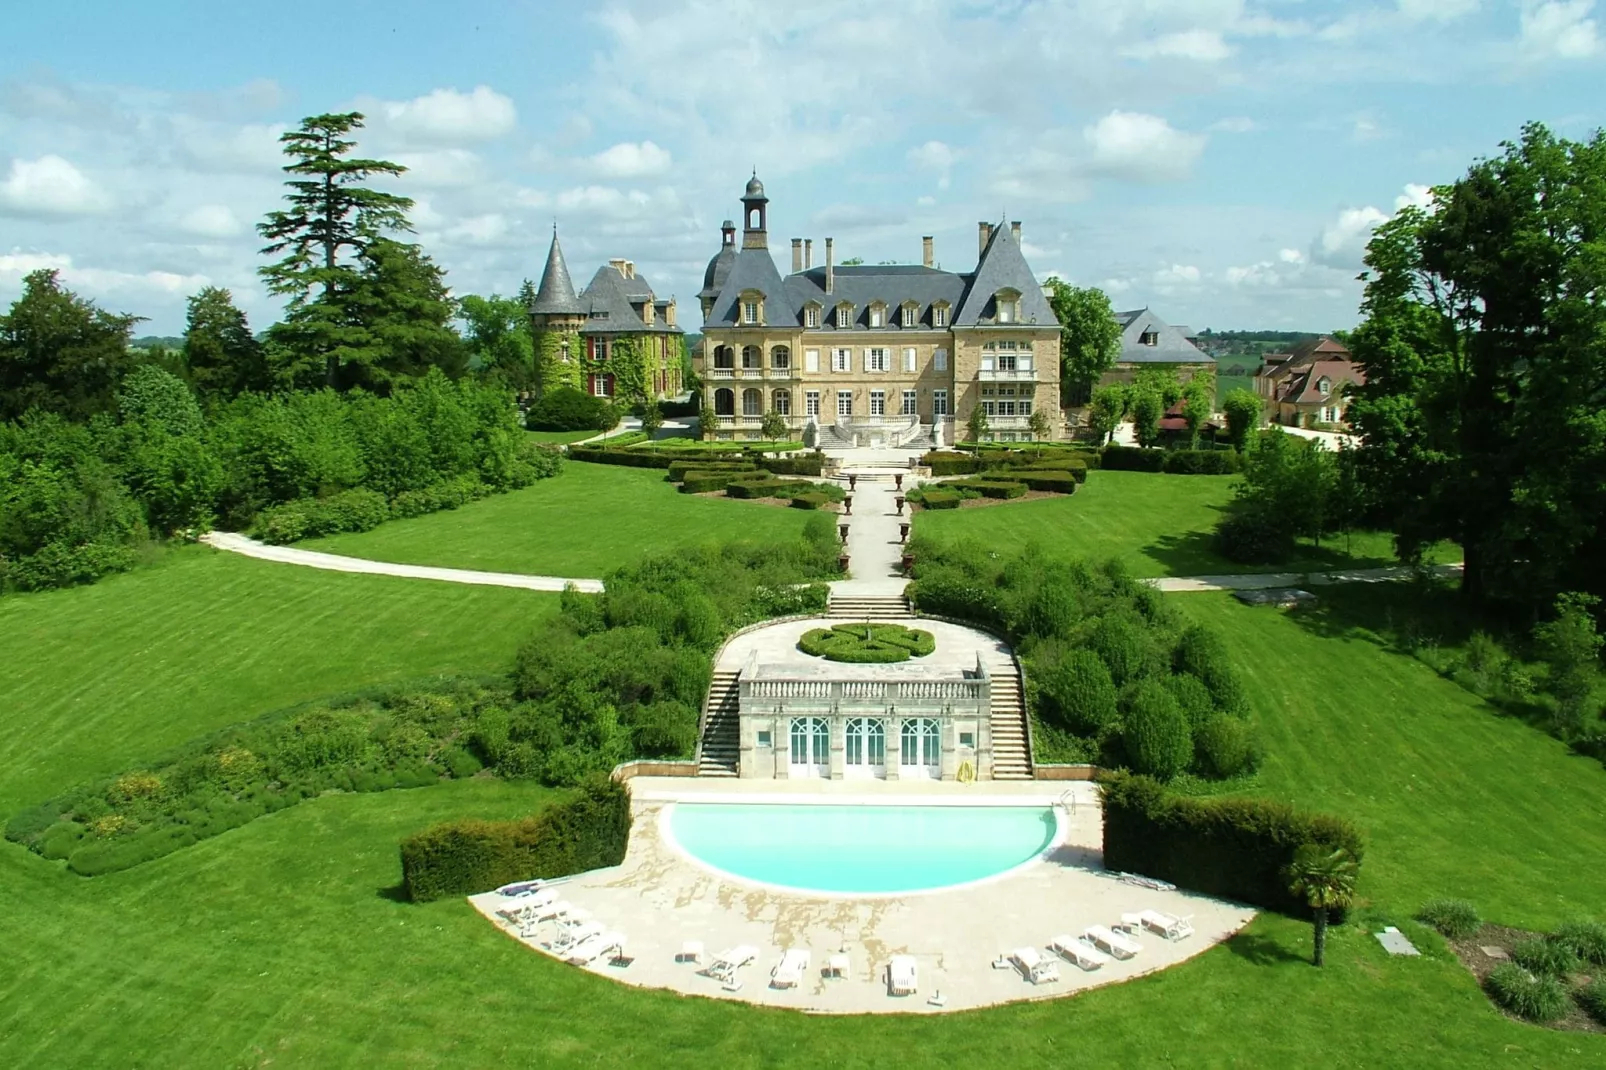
point(1254, 538)
point(1455, 919)
point(1592, 998)
point(1200, 651)
point(1202, 462)
point(1585, 938)
point(988, 488)
point(1077, 694)
point(950, 464)
point(1232, 848)
point(1224, 747)
point(867, 643)
point(765, 488)
point(1130, 459)
point(1538, 999)
point(940, 499)
point(1050, 481)
point(1192, 696)
point(1545, 957)
point(678, 469)
point(564, 408)
point(463, 857)
point(1156, 734)
point(811, 500)
point(795, 466)
point(1120, 641)
point(704, 482)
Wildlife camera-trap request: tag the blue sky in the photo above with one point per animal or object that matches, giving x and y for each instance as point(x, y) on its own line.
point(1219, 160)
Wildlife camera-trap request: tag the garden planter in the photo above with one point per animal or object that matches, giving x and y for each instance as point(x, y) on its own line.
point(897, 481)
point(903, 532)
point(908, 563)
point(899, 500)
point(847, 504)
point(843, 528)
point(842, 563)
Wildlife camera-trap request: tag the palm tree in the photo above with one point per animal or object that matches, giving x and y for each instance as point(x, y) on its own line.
point(1326, 880)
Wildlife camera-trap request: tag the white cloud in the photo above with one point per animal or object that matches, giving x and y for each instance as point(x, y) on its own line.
point(935, 156)
point(1342, 242)
point(50, 186)
point(479, 230)
point(440, 168)
point(1261, 274)
point(211, 221)
point(97, 281)
point(1237, 124)
point(1115, 286)
point(1558, 28)
point(447, 116)
point(214, 147)
point(1176, 276)
point(926, 202)
point(16, 264)
point(1204, 46)
point(630, 159)
point(1415, 195)
point(1141, 147)
point(1291, 256)
point(1365, 127)
point(1436, 10)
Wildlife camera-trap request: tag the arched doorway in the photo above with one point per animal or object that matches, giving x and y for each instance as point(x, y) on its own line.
point(811, 747)
point(866, 747)
point(752, 402)
point(921, 750)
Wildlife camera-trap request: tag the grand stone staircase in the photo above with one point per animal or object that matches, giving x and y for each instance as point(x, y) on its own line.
point(719, 751)
point(1010, 758)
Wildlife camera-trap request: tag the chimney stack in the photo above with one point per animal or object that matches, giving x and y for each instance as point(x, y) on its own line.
point(618, 264)
point(797, 255)
point(1014, 231)
point(925, 250)
point(984, 232)
point(830, 267)
point(808, 253)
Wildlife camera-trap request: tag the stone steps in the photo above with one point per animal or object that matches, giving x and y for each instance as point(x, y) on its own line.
point(719, 751)
point(895, 607)
point(1011, 761)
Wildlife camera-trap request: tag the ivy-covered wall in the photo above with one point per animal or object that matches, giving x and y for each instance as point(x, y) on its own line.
point(549, 358)
point(635, 361)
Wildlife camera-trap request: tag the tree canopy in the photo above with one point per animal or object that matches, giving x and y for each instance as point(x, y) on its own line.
point(61, 353)
point(1090, 338)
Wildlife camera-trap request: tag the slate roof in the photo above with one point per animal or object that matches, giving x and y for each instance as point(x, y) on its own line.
point(1003, 266)
point(613, 304)
point(1170, 346)
point(719, 269)
point(556, 295)
point(891, 284)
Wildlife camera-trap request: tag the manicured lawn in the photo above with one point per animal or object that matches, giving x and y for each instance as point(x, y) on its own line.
point(584, 522)
point(1160, 525)
point(95, 678)
point(563, 437)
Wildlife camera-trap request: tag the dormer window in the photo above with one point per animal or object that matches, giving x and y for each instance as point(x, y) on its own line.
point(749, 311)
point(1149, 338)
point(752, 308)
point(939, 315)
point(844, 316)
point(1007, 303)
point(811, 316)
point(878, 315)
point(911, 314)
point(1324, 385)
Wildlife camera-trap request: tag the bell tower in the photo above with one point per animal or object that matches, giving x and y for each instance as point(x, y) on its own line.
point(755, 209)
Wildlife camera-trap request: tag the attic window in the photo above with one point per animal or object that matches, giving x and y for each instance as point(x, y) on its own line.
point(910, 315)
point(1008, 306)
point(1324, 385)
point(939, 315)
point(749, 311)
point(811, 316)
point(1149, 338)
point(844, 316)
point(878, 315)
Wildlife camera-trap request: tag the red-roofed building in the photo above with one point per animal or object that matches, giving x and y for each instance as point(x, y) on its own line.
point(1310, 386)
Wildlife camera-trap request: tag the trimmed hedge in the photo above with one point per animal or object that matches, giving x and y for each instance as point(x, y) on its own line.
point(564, 408)
point(989, 488)
point(1050, 482)
point(678, 469)
point(765, 488)
point(1232, 848)
point(704, 482)
point(627, 458)
point(1174, 462)
point(867, 643)
point(810, 500)
point(1132, 459)
point(464, 857)
point(943, 463)
point(699, 460)
point(941, 499)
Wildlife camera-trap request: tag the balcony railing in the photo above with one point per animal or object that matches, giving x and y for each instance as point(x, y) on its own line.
point(752, 373)
point(1008, 375)
point(1009, 423)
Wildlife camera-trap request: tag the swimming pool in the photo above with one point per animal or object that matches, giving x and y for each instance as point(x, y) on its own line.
point(878, 850)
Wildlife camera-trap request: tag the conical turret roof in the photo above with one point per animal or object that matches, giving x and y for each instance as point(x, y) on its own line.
point(556, 295)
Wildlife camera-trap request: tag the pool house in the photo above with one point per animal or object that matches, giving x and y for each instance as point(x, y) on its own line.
point(844, 722)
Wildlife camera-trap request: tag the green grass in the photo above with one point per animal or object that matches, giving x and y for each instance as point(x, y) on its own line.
point(96, 678)
point(1224, 383)
point(1160, 525)
point(561, 437)
point(584, 522)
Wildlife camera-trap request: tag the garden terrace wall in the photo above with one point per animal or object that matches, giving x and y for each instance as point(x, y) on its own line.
point(1232, 848)
point(590, 831)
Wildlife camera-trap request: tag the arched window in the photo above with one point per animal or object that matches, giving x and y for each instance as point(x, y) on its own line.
point(780, 357)
point(781, 401)
point(922, 746)
point(752, 357)
point(752, 402)
point(724, 402)
point(866, 743)
point(724, 357)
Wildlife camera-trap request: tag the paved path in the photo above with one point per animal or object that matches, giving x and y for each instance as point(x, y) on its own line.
point(289, 555)
point(872, 544)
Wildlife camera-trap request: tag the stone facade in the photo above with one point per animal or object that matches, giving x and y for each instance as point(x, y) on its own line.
point(875, 355)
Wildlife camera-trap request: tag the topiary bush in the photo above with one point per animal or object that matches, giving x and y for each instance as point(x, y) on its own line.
point(1224, 747)
point(1047, 482)
point(1536, 998)
point(810, 500)
point(1117, 458)
point(950, 464)
point(588, 832)
point(564, 408)
point(1155, 733)
point(867, 643)
point(1455, 919)
point(931, 498)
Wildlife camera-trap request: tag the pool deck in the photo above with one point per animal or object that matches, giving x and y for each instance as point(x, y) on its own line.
point(660, 898)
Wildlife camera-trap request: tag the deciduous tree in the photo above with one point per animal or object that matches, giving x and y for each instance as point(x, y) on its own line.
point(1242, 409)
point(1090, 338)
point(60, 353)
point(1108, 409)
point(1147, 408)
point(222, 356)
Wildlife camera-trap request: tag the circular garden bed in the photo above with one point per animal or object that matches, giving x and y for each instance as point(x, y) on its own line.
point(867, 643)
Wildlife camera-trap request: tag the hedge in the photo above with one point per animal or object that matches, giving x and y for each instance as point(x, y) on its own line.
point(940, 499)
point(989, 488)
point(702, 460)
point(628, 458)
point(1175, 462)
point(704, 482)
point(950, 464)
point(810, 500)
point(766, 488)
point(867, 643)
point(589, 832)
point(678, 469)
point(1132, 459)
point(1051, 481)
point(1232, 848)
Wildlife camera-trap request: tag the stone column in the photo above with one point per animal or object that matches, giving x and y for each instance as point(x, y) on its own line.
point(839, 746)
point(783, 747)
point(894, 744)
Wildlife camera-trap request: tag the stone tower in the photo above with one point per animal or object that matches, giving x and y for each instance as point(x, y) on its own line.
point(556, 316)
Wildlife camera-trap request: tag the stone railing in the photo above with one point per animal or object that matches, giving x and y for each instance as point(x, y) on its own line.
point(1007, 375)
point(880, 691)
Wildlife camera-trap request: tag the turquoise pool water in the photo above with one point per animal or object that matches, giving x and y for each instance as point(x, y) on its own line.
point(844, 849)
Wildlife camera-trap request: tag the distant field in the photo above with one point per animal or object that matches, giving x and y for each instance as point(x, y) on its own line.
point(1225, 383)
point(1160, 525)
point(589, 519)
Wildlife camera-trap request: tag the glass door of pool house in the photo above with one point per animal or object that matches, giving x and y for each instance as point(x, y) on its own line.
point(865, 753)
point(811, 747)
point(921, 752)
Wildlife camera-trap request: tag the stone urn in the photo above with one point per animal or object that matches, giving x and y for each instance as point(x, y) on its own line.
point(843, 528)
point(842, 562)
point(897, 481)
point(903, 532)
point(853, 481)
point(908, 563)
point(847, 504)
point(899, 501)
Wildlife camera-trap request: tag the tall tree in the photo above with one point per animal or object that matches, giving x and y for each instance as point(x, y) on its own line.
point(1484, 344)
point(331, 222)
point(1147, 408)
point(1107, 409)
point(1243, 410)
point(498, 338)
point(223, 358)
point(1090, 338)
point(397, 320)
point(60, 353)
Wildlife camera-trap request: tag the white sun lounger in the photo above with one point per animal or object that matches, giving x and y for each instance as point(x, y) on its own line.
point(727, 962)
point(593, 948)
point(903, 976)
point(568, 939)
point(521, 888)
point(1114, 943)
point(788, 973)
point(1080, 952)
point(1167, 925)
point(1034, 967)
point(557, 908)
